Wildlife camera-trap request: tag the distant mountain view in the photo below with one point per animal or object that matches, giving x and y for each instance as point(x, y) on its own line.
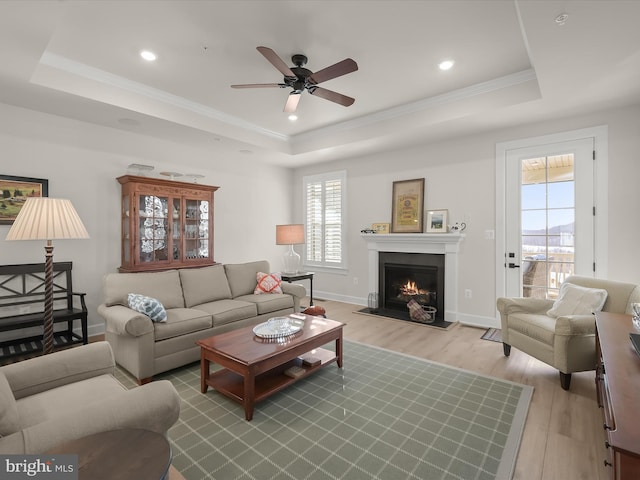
point(558, 236)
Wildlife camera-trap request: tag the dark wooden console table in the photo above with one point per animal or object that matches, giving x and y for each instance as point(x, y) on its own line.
point(618, 391)
point(294, 277)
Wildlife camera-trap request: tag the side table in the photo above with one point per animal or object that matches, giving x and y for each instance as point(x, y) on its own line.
point(294, 277)
point(127, 453)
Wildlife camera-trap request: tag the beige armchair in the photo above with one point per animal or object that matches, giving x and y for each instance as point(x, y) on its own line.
point(568, 341)
point(70, 394)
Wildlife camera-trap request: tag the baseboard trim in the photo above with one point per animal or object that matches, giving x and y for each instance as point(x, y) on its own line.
point(463, 318)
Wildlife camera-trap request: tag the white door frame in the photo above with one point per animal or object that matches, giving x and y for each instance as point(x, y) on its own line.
point(601, 168)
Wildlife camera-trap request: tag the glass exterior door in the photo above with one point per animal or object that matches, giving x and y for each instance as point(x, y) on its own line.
point(549, 217)
point(547, 202)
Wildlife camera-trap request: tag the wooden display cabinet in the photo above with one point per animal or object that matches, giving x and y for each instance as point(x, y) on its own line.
point(618, 393)
point(165, 224)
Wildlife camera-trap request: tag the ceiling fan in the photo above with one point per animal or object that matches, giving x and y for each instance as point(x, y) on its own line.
point(301, 79)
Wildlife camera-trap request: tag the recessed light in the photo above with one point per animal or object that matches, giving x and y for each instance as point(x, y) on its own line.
point(446, 64)
point(562, 18)
point(293, 117)
point(148, 55)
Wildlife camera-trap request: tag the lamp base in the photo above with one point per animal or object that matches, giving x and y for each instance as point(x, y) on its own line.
point(291, 260)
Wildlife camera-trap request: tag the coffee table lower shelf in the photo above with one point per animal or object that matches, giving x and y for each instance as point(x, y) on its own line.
point(231, 384)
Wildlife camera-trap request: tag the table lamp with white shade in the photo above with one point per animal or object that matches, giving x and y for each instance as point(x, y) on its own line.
point(291, 234)
point(44, 218)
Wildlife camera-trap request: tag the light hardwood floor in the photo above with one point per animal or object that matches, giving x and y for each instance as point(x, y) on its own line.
point(563, 437)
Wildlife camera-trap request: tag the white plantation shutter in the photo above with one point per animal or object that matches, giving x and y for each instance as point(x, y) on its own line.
point(324, 208)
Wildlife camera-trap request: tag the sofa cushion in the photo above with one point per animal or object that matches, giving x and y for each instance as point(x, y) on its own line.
point(202, 285)
point(165, 286)
point(66, 399)
point(269, 303)
point(9, 417)
point(181, 321)
point(227, 311)
point(242, 276)
point(577, 300)
point(268, 283)
point(151, 307)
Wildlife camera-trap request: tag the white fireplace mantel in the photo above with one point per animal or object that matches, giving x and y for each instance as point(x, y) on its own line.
point(447, 244)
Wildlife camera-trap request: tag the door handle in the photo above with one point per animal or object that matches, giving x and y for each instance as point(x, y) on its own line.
point(514, 265)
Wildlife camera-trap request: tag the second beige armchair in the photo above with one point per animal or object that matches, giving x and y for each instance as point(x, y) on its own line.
point(565, 341)
point(52, 399)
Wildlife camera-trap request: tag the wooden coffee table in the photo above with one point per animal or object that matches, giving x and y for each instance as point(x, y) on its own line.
point(254, 367)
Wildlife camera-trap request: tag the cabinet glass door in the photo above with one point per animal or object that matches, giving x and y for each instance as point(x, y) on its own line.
point(153, 227)
point(126, 208)
point(196, 229)
point(176, 229)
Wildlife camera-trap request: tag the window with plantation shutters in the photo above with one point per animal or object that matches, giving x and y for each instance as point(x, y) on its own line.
point(324, 200)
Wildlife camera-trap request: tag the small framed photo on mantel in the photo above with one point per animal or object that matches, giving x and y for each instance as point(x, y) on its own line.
point(380, 227)
point(437, 221)
point(407, 211)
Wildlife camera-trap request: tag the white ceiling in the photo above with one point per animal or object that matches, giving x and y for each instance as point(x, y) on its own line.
point(514, 64)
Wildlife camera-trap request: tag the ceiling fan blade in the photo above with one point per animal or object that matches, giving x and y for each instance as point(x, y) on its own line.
point(276, 61)
point(332, 96)
point(259, 85)
point(292, 102)
point(336, 70)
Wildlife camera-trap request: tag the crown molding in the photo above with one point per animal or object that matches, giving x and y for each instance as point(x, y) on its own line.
point(97, 75)
point(421, 105)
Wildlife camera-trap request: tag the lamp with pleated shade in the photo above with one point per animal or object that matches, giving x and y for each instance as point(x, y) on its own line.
point(44, 218)
point(292, 234)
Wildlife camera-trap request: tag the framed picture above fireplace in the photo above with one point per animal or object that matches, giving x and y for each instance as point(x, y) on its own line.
point(407, 211)
point(437, 221)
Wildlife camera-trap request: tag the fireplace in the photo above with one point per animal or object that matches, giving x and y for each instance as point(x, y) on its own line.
point(411, 276)
point(445, 246)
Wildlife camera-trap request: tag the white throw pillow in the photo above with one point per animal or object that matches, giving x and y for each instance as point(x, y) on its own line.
point(577, 300)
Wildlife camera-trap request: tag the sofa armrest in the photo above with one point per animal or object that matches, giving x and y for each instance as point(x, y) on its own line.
point(507, 306)
point(122, 320)
point(59, 368)
point(576, 325)
point(294, 289)
point(154, 406)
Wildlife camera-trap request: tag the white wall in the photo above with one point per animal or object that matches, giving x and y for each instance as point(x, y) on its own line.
point(81, 162)
point(460, 176)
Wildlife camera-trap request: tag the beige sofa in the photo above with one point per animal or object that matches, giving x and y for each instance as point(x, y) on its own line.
point(199, 302)
point(566, 342)
point(52, 399)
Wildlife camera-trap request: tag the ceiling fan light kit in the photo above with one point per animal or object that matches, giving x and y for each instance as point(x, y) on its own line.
point(300, 79)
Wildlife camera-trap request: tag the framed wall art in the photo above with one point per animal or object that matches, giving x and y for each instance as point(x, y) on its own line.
point(380, 227)
point(14, 191)
point(408, 206)
point(437, 221)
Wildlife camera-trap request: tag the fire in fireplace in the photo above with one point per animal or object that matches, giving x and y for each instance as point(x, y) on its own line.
point(411, 276)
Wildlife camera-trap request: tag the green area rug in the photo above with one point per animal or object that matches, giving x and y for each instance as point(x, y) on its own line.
point(385, 416)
